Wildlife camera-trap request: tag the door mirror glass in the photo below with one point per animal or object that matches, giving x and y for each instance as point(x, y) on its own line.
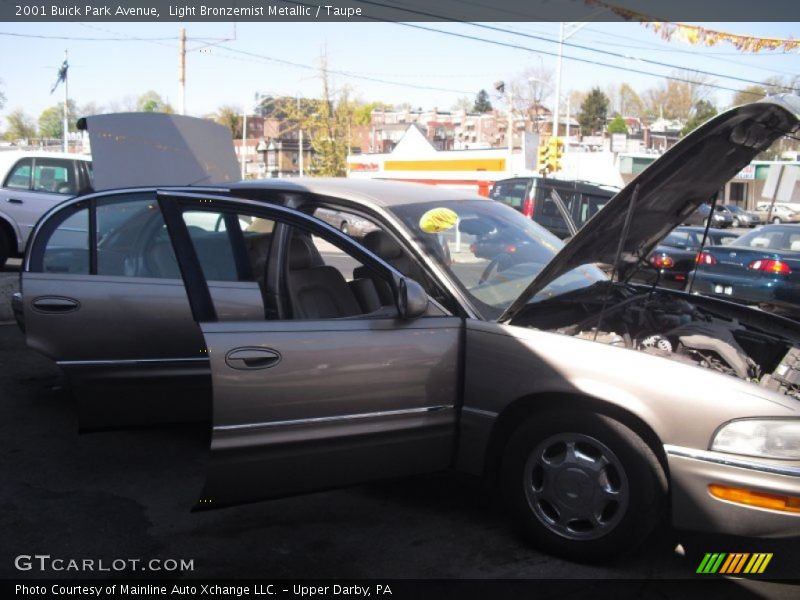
point(412, 301)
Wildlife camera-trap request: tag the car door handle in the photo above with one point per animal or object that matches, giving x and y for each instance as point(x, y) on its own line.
point(15, 201)
point(55, 304)
point(252, 358)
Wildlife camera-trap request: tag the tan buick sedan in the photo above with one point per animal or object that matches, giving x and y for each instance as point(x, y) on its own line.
point(456, 334)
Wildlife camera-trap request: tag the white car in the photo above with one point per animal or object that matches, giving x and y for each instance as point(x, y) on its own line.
point(31, 184)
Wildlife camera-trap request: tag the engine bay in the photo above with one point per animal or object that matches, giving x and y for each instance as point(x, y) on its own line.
point(673, 326)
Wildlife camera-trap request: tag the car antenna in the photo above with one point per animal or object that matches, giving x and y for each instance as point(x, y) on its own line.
point(704, 240)
point(618, 257)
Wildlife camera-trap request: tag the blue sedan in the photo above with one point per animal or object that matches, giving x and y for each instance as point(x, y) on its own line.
point(761, 267)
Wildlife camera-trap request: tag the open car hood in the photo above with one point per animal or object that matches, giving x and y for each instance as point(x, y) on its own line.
point(153, 149)
point(671, 188)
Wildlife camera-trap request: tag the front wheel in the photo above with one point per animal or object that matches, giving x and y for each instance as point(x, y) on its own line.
point(776, 220)
point(735, 223)
point(582, 486)
point(344, 228)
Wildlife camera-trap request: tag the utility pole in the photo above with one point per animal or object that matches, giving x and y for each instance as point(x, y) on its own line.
point(510, 129)
point(66, 104)
point(243, 152)
point(558, 78)
point(300, 140)
point(182, 72)
point(562, 37)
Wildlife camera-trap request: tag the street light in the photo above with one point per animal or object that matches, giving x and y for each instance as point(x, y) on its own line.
point(500, 86)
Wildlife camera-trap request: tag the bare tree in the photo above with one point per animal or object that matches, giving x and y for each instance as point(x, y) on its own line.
point(675, 98)
point(529, 91)
point(630, 104)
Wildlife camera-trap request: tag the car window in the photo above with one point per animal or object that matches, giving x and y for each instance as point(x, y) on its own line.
point(230, 246)
point(67, 247)
point(349, 223)
point(324, 280)
point(493, 252)
point(723, 240)
point(54, 176)
point(132, 239)
point(677, 239)
point(19, 178)
point(776, 239)
point(510, 192)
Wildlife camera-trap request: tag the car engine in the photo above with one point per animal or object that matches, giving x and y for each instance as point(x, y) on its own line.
point(665, 324)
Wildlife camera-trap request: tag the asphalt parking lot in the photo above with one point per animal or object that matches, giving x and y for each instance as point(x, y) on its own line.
point(126, 494)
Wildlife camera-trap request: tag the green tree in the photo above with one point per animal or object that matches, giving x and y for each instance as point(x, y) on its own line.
point(51, 121)
point(2, 96)
point(231, 117)
point(703, 110)
point(482, 103)
point(151, 101)
point(617, 125)
point(592, 116)
point(362, 112)
point(20, 126)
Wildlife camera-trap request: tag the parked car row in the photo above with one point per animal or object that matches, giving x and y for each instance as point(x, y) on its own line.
point(334, 361)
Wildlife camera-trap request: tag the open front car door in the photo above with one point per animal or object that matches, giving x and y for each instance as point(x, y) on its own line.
point(329, 385)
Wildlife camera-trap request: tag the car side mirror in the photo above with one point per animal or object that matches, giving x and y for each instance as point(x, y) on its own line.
point(411, 298)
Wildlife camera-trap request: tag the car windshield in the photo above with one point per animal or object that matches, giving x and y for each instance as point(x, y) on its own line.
point(491, 251)
point(736, 209)
point(767, 238)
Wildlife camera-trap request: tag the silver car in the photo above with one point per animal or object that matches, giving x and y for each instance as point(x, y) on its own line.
point(31, 183)
point(599, 405)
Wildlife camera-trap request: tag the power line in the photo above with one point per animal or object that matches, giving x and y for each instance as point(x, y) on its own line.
point(342, 73)
point(570, 44)
point(86, 39)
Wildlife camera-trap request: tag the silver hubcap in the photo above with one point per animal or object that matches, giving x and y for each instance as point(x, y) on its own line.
point(576, 486)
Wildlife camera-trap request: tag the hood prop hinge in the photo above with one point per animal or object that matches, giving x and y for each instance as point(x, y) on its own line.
point(704, 240)
point(623, 238)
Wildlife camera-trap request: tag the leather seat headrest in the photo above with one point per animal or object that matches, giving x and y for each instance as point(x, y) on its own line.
point(300, 255)
point(382, 244)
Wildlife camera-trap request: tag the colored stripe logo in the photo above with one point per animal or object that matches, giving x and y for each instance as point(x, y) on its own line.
point(734, 563)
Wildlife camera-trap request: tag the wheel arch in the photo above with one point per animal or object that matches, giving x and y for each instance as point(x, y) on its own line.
point(523, 408)
point(7, 228)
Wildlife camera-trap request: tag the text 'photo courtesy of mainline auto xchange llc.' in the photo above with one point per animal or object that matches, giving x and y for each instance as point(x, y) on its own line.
point(228, 591)
point(367, 298)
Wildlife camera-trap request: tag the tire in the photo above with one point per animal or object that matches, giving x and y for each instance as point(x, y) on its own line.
point(5, 248)
point(735, 223)
point(344, 228)
point(582, 486)
point(776, 220)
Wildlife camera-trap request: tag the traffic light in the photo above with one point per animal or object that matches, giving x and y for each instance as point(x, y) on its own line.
point(542, 157)
point(555, 151)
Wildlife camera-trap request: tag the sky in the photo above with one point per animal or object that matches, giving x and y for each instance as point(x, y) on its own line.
point(388, 62)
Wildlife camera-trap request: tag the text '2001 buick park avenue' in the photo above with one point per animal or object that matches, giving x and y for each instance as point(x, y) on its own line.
point(455, 333)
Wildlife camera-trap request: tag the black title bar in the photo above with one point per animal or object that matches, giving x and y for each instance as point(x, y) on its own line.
point(399, 10)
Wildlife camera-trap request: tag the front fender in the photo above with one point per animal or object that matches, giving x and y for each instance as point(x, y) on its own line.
point(683, 405)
